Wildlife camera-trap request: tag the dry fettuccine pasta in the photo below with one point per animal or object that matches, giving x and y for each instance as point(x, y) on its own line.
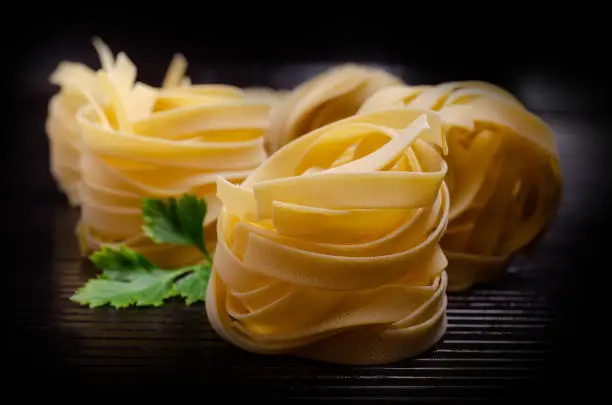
point(146, 142)
point(77, 82)
point(330, 96)
point(264, 95)
point(504, 177)
point(79, 85)
point(323, 254)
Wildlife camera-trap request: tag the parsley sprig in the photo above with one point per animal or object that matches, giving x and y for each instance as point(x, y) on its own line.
point(128, 278)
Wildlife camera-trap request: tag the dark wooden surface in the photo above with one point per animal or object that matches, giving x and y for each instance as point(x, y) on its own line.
point(522, 336)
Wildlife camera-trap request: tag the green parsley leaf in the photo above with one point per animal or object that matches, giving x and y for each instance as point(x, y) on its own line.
point(176, 221)
point(193, 286)
point(130, 279)
point(117, 262)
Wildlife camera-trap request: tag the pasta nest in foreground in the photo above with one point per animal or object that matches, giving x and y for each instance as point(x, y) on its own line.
point(504, 177)
point(329, 250)
point(328, 97)
point(160, 143)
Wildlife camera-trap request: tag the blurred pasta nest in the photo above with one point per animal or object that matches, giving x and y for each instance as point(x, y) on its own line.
point(115, 140)
point(264, 95)
point(78, 86)
point(329, 250)
point(328, 97)
point(504, 177)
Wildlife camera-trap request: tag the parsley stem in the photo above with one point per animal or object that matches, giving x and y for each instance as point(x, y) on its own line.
point(206, 255)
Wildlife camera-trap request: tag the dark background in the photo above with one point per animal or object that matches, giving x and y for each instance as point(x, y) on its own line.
point(555, 67)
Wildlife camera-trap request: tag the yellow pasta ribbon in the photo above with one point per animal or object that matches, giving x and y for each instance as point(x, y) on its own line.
point(80, 85)
point(504, 177)
point(323, 254)
point(265, 95)
point(147, 142)
point(328, 97)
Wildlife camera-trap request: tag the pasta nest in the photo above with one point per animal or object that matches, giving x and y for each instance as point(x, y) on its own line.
point(79, 85)
point(328, 97)
point(142, 142)
point(329, 250)
point(504, 177)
